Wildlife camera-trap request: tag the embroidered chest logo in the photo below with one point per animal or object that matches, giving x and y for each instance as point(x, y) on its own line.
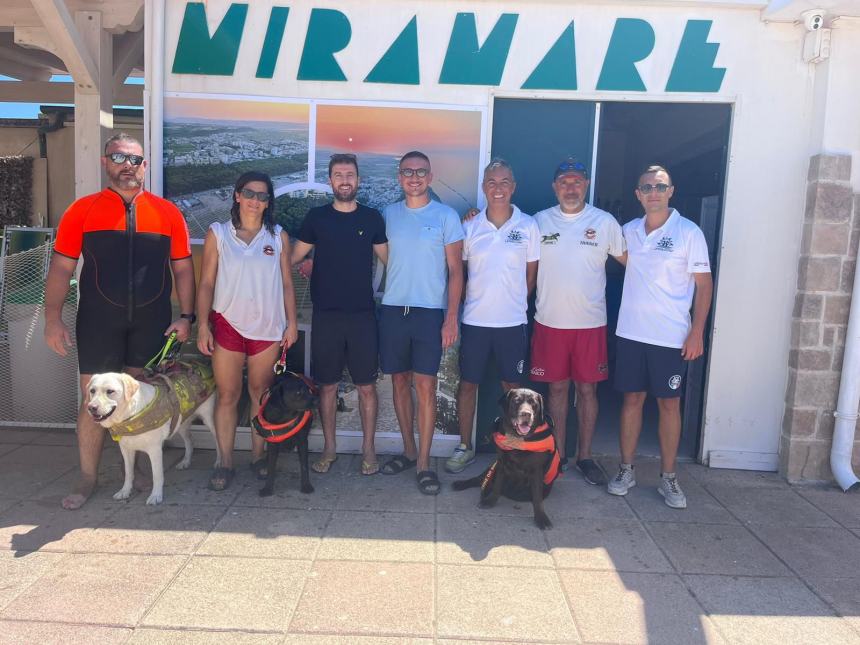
point(550, 239)
point(515, 237)
point(361, 232)
point(665, 244)
point(268, 250)
point(589, 236)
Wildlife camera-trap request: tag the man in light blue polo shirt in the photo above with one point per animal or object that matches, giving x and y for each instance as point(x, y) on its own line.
point(418, 320)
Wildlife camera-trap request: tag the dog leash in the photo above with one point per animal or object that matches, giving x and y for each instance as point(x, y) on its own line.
point(167, 354)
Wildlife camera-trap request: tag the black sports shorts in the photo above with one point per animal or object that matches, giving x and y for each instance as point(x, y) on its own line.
point(107, 341)
point(341, 339)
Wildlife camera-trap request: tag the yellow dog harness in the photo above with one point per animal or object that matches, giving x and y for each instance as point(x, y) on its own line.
point(179, 391)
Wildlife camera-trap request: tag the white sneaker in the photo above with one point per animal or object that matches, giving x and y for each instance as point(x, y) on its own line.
point(463, 456)
point(671, 491)
point(622, 482)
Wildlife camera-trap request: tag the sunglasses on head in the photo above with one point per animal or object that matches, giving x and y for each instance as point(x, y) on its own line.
point(420, 172)
point(647, 188)
point(571, 166)
point(120, 158)
point(262, 196)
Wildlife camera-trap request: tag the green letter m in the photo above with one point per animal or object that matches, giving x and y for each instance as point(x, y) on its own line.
point(198, 53)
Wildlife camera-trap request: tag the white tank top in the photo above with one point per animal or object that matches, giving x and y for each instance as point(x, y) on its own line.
point(249, 289)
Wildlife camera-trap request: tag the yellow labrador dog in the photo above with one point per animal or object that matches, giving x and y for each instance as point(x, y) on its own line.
point(142, 414)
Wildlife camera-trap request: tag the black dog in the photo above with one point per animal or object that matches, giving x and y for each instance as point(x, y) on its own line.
point(527, 461)
point(284, 421)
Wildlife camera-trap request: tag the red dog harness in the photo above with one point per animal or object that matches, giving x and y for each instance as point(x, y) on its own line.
point(541, 440)
point(278, 432)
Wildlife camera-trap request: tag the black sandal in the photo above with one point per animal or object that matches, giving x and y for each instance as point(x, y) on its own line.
point(397, 465)
point(260, 468)
point(221, 479)
point(428, 482)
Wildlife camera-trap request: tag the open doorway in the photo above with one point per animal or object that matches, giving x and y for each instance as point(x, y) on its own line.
point(691, 140)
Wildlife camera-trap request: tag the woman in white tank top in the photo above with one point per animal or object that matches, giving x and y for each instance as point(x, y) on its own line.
point(246, 309)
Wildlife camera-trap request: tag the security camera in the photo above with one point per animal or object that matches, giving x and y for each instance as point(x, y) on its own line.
point(813, 19)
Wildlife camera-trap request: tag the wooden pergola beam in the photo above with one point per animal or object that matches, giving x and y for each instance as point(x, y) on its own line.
point(45, 92)
point(128, 53)
point(70, 46)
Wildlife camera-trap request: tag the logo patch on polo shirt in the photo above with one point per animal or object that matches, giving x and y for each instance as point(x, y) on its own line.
point(515, 237)
point(537, 371)
point(589, 235)
point(268, 250)
point(675, 382)
point(550, 239)
point(666, 244)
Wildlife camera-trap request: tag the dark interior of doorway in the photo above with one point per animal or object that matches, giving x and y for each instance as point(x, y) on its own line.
point(690, 139)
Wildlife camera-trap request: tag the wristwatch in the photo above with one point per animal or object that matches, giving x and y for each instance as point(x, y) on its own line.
point(192, 318)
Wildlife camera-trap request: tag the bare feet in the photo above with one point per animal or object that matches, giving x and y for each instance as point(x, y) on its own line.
point(79, 495)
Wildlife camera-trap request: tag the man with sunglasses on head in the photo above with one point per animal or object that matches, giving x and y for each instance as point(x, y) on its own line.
point(418, 320)
point(344, 236)
point(569, 338)
point(668, 270)
point(131, 242)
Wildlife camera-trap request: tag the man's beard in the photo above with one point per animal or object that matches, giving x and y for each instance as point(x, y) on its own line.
point(345, 197)
point(126, 182)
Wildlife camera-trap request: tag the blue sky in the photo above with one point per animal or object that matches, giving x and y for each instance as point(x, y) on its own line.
point(31, 110)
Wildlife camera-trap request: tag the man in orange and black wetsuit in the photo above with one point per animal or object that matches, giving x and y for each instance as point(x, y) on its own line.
point(131, 241)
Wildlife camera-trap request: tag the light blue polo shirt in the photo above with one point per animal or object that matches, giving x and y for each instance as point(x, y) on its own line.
point(417, 272)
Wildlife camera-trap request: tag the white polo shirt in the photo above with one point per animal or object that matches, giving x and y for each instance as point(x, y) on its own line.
point(658, 283)
point(571, 282)
point(496, 290)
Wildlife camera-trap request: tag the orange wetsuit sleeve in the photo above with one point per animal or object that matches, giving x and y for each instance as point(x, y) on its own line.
point(70, 232)
point(180, 243)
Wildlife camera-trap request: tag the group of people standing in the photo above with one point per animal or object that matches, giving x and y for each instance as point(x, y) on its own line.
point(491, 262)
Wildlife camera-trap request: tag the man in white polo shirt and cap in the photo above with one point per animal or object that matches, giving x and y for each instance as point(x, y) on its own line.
point(569, 337)
point(500, 254)
point(668, 270)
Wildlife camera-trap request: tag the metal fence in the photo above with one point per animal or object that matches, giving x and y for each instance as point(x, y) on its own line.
point(37, 387)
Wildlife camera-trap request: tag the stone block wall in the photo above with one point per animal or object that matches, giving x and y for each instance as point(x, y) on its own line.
point(831, 231)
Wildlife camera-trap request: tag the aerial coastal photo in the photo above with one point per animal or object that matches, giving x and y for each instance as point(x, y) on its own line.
point(209, 142)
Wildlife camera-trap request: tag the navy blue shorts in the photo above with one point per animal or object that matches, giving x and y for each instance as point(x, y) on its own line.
point(410, 339)
point(341, 339)
point(508, 344)
point(641, 367)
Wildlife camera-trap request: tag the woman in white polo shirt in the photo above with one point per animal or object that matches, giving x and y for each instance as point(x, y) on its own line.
point(247, 311)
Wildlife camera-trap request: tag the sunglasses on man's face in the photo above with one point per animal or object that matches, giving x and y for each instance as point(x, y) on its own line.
point(262, 196)
point(647, 188)
point(120, 158)
point(420, 172)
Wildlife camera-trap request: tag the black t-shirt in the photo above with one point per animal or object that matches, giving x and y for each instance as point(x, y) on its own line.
point(342, 278)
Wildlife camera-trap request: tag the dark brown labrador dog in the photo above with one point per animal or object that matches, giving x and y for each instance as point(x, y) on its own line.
point(284, 421)
point(527, 461)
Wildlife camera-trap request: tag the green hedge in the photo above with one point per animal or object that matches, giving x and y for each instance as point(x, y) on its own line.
point(16, 190)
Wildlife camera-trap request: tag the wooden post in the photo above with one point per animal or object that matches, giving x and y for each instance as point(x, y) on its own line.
point(93, 111)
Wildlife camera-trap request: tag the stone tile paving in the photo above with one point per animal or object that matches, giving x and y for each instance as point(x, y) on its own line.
point(370, 561)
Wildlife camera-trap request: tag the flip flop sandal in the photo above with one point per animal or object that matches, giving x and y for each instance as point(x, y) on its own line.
point(369, 467)
point(260, 468)
point(323, 465)
point(221, 479)
point(428, 482)
point(397, 465)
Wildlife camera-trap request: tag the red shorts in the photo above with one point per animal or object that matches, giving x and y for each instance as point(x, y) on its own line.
point(575, 354)
point(228, 338)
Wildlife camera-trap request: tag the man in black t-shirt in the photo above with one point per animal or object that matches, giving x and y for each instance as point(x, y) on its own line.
point(344, 236)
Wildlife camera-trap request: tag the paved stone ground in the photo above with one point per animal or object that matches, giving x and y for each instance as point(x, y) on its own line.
point(370, 560)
